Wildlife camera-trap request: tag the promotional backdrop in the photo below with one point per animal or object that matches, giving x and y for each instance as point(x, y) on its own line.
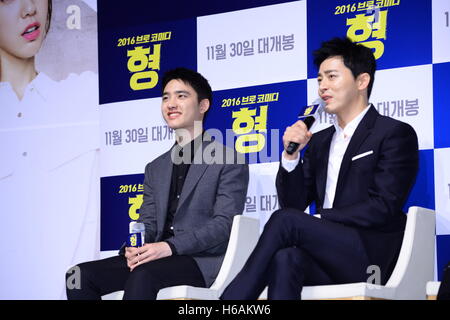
point(75, 146)
point(259, 64)
point(50, 147)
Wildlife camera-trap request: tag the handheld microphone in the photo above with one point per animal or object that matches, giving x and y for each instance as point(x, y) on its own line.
point(308, 116)
point(136, 237)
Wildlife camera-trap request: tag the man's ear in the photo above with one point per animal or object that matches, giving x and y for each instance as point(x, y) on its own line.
point(363, 81)
point(204, 106)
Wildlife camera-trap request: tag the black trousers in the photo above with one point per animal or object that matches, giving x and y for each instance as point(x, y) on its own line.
point(444, 288)
point(296, 249)
point(143, 283)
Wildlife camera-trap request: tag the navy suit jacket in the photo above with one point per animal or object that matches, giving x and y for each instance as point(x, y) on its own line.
point(371, 189)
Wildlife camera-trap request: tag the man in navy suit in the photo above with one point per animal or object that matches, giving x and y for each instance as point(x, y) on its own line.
point(358, 172)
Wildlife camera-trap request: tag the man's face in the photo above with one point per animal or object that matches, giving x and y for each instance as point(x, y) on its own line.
point(337, 86)
point(180, 106)
point(22, 27)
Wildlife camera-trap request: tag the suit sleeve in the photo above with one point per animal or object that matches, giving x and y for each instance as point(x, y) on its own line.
point(212, 238)
point(296, 189)
point(393, 178)
point(148, 210)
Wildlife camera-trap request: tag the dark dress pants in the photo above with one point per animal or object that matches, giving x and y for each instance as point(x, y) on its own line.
point(143, 283)
point(296, 249)
point(444, 288)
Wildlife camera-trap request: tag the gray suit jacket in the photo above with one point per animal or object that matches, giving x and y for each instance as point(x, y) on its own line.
point(211, 196)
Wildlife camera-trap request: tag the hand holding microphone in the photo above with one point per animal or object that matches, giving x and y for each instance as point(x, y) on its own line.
point(297, 136)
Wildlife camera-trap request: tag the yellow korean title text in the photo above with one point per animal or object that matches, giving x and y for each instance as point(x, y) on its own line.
point(144, 60)
point(250, 124)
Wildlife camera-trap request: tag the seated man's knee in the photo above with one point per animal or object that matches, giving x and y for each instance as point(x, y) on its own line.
point(79, 273)
point(279, 218)
point(287, 256)
point(76, 280)
point(143, 283)
point(143, 274)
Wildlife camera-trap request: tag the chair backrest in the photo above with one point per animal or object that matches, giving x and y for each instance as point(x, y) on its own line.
point(243, 238)
point(415, 264)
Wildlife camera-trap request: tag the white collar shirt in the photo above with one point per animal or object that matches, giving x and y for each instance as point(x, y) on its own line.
point(339, 143)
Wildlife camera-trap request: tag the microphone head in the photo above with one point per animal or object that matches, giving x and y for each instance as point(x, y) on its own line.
point(136, 238)
point(309, 113)
point(312, 109)
point(309, 121)
point(308, 116)
point(135, 226)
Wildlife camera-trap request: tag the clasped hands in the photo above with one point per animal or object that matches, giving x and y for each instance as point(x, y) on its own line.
point(148, 252)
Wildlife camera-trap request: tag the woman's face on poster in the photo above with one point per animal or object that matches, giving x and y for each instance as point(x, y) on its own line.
point(22, 27)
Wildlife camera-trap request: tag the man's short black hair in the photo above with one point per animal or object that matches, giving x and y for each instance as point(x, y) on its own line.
point(358, 58)
point(192, 78)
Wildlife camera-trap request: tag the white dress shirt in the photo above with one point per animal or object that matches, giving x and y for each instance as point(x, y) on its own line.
point(339, 143)
point(49, 185)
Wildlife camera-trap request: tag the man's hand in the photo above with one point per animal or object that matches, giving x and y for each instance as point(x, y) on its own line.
point(298, 133)
point(148, 252)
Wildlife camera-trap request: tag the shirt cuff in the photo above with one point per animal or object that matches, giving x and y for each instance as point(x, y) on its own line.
point(172, 247)
point(289, 165)
point(122, 249)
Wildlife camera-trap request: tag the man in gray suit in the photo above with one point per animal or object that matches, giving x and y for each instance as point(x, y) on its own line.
point(191, 194)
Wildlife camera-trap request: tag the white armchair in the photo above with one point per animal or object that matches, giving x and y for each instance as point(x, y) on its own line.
point(414, 268)
point(243, 238)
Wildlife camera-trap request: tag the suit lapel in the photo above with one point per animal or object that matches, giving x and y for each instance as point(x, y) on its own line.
point(163, 180)
point(363, 130)
point(322, 165)
point(195, 172)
